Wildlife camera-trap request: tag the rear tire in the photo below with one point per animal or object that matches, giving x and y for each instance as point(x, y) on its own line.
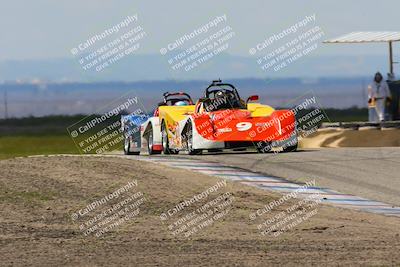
point(165, 142)
point(127, 147)
point(189, 141)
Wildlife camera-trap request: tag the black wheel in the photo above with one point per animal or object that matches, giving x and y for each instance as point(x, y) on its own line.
point(263, 146)
point(150, 142)
point(189, 141)
point(215, 150)
point(292, 148)
point(291, 145)
point(127, 147)
point(165, 143)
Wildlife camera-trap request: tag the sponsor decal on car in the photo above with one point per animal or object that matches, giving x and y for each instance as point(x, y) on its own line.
point(224, 130)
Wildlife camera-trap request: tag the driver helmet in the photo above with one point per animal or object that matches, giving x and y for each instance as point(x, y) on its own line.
point(219, 94)
point(180, 103)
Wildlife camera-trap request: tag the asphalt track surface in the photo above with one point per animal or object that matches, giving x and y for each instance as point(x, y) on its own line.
point(372, 173)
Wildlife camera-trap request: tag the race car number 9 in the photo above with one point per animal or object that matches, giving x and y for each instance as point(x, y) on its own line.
point(243, 126)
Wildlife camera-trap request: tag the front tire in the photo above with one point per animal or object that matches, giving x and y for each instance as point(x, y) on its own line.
point(165, 142)
point(150, 142)
point(189, 141)
point(291, 145)
point(263, 146)
point(290, 148)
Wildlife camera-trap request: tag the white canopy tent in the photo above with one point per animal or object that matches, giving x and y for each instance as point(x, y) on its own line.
point(370, 37)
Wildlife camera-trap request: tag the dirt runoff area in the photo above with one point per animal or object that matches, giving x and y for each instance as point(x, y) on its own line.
point(107, 211)
point(363, 137)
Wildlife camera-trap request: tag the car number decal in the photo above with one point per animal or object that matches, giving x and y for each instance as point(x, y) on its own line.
point(243, 126)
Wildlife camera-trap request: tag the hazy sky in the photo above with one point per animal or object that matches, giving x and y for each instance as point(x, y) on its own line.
point(50, 28)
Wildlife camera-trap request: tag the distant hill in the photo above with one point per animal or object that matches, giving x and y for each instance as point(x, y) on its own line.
point(87, 98)
point(156, 67)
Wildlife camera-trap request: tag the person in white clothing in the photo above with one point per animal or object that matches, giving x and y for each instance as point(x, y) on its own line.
point(378, 97)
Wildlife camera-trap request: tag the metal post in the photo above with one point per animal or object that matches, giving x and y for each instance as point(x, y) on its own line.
point(5, 105)
point(390, 58)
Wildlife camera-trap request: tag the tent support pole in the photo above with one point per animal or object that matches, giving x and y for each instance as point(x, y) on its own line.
point(390, 58)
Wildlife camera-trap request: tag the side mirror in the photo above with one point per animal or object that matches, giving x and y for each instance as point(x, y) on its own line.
point(252, 98)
